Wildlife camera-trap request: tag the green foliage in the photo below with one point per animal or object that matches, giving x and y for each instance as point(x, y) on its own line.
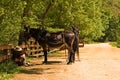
point(55, 54)
point(111, 20)
point(10, 19)
point(112, 30)
point(8, 69)
point(114, 44)
point(54, 29)
point(93, 17)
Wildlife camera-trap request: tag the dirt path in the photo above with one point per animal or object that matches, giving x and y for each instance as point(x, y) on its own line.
point(98, 62)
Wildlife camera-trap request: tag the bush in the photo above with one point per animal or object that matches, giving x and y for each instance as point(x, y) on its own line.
point(8, 69)
point(118, 44)
point(115, 44)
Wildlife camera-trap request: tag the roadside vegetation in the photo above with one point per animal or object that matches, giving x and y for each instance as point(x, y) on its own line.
point(114, 44)
point(8, 69)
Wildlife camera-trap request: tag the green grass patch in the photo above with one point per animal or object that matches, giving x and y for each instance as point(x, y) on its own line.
point(5, 76)
point(8, 69)
point(55, 54)
point(114, 44)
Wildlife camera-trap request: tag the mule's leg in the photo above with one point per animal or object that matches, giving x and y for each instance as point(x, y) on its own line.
point(78, 55)
point(73, 57)
point(67, 59)
point(70, 57)
point(78, 49)
point(45, 57)
point(45, 49)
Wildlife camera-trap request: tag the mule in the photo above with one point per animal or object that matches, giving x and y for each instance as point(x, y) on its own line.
point(47, 39)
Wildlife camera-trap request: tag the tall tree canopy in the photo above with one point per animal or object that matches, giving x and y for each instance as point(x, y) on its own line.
point(96, 19)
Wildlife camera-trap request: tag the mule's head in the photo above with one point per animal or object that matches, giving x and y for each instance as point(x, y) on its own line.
point(75, 30)
point(24, 36)
point(36, 33)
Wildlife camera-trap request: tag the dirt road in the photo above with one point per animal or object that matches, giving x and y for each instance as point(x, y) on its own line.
point(98, 62)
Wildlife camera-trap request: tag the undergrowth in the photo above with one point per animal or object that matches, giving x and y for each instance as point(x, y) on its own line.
point(55, 54)
point(8, 69)
point(114, 44)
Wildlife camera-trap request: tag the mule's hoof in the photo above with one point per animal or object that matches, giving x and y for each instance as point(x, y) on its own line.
point(69, 63)
point(44, 62)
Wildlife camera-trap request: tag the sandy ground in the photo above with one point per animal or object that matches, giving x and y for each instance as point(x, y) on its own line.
point(98, 62)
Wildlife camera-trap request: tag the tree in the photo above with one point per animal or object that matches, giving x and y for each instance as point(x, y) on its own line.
point(93, 17)
point(10, 19)
point(111, 12)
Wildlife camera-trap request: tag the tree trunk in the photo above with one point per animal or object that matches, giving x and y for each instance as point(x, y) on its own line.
point(27, 12)
point(46, 12)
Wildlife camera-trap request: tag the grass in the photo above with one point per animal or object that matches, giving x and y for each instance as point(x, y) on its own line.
point(8, 69)
point(114, 44)
point(55, 54)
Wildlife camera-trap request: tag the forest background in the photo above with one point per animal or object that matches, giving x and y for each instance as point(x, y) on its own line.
point(97, 20)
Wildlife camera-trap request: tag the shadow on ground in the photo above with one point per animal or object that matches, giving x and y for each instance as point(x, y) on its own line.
point(42, 70)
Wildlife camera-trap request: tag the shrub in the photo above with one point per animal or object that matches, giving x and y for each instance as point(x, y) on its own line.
point(8, 69)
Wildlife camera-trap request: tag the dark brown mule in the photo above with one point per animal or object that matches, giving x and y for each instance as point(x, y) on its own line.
point(47, 39)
